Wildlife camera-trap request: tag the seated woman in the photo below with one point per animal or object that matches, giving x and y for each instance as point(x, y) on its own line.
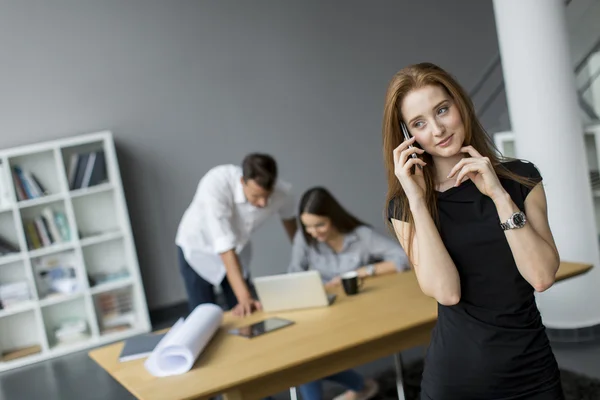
point(333, 242)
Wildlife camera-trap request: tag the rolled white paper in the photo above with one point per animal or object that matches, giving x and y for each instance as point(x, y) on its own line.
point(178, 350)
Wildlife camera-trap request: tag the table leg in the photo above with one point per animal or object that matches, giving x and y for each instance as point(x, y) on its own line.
point(399, 385)
point(293, 393)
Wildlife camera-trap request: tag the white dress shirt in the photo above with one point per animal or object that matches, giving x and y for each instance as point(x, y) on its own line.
point(220, 218)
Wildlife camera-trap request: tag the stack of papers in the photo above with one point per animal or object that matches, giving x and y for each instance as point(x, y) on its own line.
point(13, 293)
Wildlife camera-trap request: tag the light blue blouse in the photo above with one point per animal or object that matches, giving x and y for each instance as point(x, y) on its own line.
point(362, 246)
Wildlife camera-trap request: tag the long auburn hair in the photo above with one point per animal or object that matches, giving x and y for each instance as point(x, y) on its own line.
point(319, 201)
point(414, 77)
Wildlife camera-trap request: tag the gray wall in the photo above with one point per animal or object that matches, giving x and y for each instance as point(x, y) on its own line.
point(186, 85)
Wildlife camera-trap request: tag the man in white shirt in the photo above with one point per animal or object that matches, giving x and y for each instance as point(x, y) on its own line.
point(213, 237)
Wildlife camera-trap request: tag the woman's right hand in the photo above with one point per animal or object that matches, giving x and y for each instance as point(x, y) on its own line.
point(413, 183)
point(335, 282)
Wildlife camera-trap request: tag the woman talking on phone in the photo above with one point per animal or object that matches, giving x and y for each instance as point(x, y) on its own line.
point(476, 231)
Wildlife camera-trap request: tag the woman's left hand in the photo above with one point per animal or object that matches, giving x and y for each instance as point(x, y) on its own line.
point(479, 169)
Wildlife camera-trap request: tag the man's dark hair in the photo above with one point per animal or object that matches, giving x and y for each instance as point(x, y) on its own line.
point(262, 168)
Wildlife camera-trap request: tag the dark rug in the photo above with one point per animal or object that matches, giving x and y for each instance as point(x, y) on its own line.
point(575, 386)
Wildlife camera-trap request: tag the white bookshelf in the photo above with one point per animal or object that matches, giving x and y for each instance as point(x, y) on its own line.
point(93, 244)
point(505, 142)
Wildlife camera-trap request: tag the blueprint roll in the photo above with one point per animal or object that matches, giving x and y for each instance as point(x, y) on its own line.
point(177, 352)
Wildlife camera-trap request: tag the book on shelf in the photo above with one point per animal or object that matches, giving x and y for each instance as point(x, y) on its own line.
point(87, 169)
point(48, 228)
point(116, 310)
point(27, 185)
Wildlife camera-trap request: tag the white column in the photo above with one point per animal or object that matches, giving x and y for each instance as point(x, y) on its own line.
point(542, 102)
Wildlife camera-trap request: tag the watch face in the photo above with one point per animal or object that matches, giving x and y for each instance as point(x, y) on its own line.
point(519, 219)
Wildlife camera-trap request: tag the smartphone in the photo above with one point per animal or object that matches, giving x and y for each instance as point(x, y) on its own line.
point(407, 137)
point(261, 327)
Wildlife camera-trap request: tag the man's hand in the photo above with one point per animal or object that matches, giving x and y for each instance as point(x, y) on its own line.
point(246, 306)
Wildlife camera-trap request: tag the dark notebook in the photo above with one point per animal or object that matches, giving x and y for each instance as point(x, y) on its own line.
point(139, 346)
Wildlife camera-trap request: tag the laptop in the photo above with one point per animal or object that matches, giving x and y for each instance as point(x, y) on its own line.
point(293, 291)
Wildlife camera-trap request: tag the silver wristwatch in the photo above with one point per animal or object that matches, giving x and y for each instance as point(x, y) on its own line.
point(516, 221)
point(370, 270)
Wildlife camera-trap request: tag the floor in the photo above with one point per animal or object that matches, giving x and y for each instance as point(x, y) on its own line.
point(77, 377)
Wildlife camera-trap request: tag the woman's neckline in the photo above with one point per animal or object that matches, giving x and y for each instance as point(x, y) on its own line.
point(454, 188)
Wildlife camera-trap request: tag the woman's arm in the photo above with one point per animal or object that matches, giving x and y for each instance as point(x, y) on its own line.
point(392, 256)
point(533, 245)
point(381, 268)
point(435, 269)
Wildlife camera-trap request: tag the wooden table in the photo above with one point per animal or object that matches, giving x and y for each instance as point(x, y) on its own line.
point(390, 315)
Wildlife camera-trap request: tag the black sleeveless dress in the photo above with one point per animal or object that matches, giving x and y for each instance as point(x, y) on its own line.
point(492, 344)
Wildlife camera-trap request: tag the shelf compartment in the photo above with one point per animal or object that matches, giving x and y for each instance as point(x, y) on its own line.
point(85, 165)
point(19, 336)
point(46, 226)
point(106, 261)
point(9, 241)
point(67, 323)
point(34, 175)
point(15, 287)
point(57, 276)
point(96, 214)
point(116, 310)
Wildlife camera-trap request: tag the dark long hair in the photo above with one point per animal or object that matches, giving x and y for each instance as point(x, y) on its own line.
point(319, 201)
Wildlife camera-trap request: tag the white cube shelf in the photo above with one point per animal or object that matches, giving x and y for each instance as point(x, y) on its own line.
point(69, 273)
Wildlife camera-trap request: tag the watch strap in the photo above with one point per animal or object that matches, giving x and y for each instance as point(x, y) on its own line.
point(510, 224)
point(370, 270)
